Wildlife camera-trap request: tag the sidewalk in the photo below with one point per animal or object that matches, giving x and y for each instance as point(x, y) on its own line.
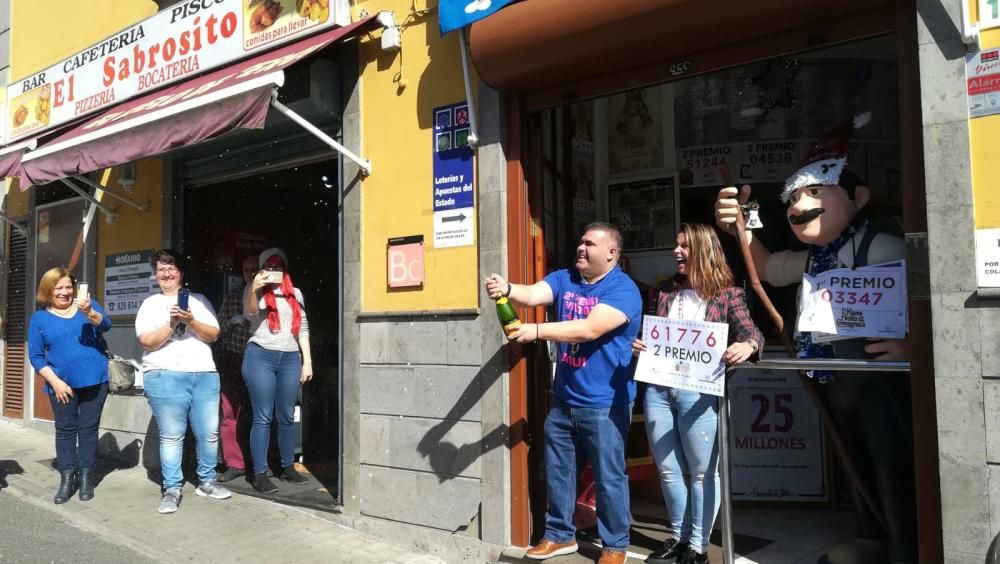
point(239, 529)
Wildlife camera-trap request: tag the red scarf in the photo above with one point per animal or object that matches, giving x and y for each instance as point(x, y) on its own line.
point(271, 304)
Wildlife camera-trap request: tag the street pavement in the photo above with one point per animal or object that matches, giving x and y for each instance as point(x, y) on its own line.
point(122, 523)
point(31, 533)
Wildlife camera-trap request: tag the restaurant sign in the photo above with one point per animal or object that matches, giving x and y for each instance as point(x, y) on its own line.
point(186, 39)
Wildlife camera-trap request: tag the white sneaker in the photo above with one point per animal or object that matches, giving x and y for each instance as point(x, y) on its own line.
point(170, 500)
point(213, 490)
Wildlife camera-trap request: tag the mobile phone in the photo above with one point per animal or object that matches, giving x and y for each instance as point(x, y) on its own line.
point(274, 277)
point(182, 298)
point(82, 290)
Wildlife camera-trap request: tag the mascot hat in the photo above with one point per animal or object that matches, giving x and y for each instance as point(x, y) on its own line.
point(826, 159)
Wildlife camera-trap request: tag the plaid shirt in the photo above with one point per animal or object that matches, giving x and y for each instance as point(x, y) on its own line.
point(233, 338)
point(728, 306)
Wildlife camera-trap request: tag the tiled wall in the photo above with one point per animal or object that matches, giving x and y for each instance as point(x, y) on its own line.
point(425, 396)
point(966, 328)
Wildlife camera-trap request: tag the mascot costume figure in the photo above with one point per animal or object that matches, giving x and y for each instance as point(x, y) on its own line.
point(871, 409)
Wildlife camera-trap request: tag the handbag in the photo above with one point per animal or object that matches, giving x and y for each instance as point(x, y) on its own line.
point(121, 370)
point(121, 373)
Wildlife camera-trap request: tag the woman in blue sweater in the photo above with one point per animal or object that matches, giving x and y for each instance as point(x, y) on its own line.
point(66, 349)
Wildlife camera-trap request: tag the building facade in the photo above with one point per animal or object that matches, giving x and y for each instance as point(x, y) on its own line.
point(422, 423)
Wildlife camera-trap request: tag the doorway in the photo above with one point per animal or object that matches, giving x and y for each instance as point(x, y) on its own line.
point(294, 209)
point(650, 158)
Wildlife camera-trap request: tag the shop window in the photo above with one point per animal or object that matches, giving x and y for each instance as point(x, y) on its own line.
point(58, 229)
point(619, 157)
point(649, 158)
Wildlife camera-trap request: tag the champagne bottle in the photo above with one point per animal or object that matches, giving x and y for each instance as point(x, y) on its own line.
point(507, 315)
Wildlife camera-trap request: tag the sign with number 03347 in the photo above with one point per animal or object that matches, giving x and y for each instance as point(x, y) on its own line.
point(868, 301)
point(683, 354)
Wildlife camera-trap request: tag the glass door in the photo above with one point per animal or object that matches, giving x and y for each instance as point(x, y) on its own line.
point(59, 241)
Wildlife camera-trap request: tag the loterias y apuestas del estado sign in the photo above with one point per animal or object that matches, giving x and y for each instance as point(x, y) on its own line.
point(180, 41)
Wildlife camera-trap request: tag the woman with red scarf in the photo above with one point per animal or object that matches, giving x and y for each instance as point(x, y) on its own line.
point(277, 361)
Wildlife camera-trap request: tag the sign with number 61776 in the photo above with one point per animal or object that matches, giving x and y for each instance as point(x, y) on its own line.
point(683, 354)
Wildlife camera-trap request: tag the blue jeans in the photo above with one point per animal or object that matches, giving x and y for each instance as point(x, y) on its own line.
point(272, 378)
point(574, 435)
point(682, 428)
point(78, 420)
point(177, 399)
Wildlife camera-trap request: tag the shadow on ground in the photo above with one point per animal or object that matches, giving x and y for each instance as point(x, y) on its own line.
point(110, 457)
point(7, 468)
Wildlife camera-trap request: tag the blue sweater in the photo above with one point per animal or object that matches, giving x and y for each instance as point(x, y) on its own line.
point(72, 347)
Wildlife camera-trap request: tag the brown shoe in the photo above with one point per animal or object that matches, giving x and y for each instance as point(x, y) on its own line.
point(547, 549)
point(612, 556)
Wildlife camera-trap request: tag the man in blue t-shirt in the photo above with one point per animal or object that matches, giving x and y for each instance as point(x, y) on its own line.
point(599, 312)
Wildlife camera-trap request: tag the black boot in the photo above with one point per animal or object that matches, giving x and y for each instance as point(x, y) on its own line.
point(67, 486)
point(86, 484)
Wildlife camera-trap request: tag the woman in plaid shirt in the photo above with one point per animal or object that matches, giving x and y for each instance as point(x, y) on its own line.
point(682, 425)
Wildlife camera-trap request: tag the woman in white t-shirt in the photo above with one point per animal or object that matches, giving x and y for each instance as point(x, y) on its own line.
point(180, 380)
point(682, 425)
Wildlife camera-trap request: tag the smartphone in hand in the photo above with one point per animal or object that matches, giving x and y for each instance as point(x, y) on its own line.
point(273, 277)
point(183, 296)
point(82, 293)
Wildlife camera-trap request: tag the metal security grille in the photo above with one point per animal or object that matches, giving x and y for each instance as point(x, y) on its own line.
point(15, 337)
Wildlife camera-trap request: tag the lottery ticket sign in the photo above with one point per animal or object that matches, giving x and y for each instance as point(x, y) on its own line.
point(683, 354)
point(868, 301)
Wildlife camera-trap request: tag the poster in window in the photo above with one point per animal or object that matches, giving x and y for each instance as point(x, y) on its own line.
point(582, 164)
point(635, 131)
point(43, 227)
point(776, 438)
point(644, 211)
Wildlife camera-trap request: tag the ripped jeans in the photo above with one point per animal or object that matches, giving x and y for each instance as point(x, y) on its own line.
point(682, 428)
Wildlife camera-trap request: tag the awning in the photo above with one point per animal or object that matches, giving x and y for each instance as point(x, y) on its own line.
point(184, 114)
point(10, 157)
point(537, 44)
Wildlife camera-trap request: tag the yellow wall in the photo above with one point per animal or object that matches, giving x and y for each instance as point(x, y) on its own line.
point(133, 229)
point(984, 139)
point(44, 31)
point(396, 134)
point(16, 202)
point(984, 136)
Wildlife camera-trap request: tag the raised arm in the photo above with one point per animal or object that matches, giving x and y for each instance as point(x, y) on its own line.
point(727, 207)
point(201, 320)
point(537, 294)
